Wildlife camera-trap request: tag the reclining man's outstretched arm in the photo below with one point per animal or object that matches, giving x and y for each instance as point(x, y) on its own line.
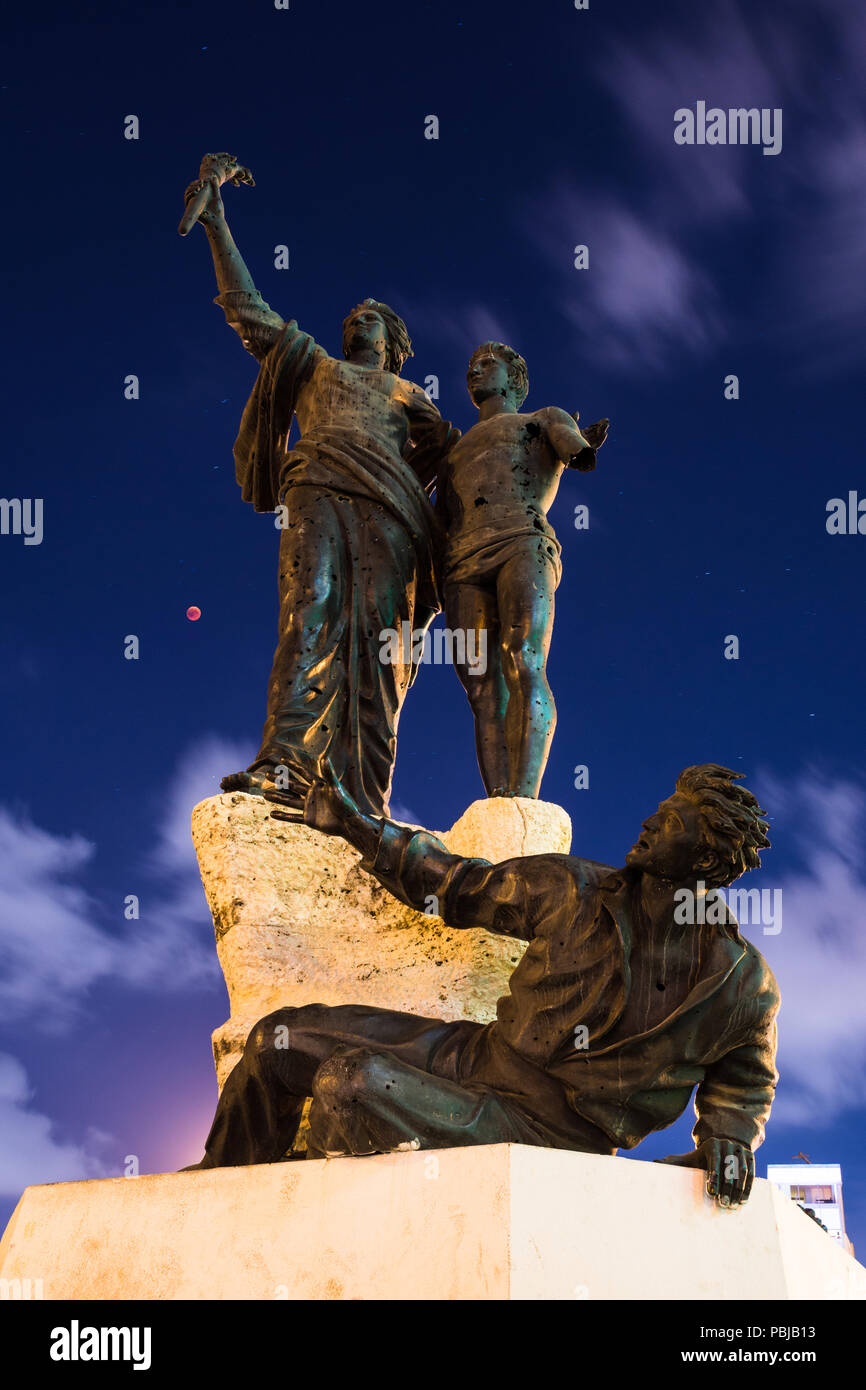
point(509, 898)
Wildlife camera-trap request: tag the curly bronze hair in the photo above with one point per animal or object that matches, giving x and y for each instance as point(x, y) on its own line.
point(731, 816)
point(399, 342)
point(518, 374)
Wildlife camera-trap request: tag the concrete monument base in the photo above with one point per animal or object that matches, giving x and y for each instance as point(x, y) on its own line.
point(497, 1222)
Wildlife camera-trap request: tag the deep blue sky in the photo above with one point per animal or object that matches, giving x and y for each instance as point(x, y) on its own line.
point(707, 516)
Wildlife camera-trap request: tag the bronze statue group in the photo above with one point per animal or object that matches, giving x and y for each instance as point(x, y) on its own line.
point(617, 1011)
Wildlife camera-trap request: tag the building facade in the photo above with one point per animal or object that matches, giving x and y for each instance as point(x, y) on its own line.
point(818, 1188)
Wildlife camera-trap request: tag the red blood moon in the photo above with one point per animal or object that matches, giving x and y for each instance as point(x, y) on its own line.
point(193, 614)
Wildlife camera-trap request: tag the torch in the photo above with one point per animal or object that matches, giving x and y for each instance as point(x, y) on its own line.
point(223, 168)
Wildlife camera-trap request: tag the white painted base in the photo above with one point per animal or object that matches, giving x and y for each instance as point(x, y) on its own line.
point(498, 1222)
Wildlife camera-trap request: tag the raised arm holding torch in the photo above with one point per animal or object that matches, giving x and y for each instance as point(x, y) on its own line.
point(216, 169)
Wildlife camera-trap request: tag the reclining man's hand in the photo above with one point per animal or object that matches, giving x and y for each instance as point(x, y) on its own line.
point(730, 1168)
point(328, 806)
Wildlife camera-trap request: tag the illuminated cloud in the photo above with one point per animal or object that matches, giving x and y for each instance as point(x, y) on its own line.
point(460, 327)
point(819, 957)
point(643, 300)
point(30, 1153)
point(54, 941)
point(810, 201)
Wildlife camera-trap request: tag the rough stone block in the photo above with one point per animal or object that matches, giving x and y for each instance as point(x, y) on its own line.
point(297, 920)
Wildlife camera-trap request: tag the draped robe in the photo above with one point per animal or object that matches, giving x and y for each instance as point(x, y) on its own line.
point(358, 554)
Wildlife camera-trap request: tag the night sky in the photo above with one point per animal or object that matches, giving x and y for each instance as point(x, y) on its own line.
point(707, 515)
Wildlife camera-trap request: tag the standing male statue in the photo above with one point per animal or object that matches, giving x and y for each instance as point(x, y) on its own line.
point(620, 1007)
point(502, 564)
point(357, 544)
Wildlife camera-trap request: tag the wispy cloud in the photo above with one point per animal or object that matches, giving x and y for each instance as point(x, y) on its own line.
point(51, 947)
point(30, 1152)
point(819, 957)
point(724, 59)
point(456, 327)
point(404, 814)
point(52, 934)
point(809, 202)
point(642, 298)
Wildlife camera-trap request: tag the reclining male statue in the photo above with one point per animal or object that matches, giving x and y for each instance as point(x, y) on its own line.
point(623, 1003)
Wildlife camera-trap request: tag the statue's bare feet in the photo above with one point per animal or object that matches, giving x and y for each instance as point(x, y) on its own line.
point(260, 781)
point(251, 782)
point(235, 782)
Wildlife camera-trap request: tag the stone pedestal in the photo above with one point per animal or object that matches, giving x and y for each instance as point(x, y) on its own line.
point(298, 921)
point(493, 1222)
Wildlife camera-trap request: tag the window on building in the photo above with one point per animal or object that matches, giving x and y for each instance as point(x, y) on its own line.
point(812, 1194)
point(819, 1194)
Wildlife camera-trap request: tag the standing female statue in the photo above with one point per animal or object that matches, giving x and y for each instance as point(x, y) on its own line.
point(359, 535)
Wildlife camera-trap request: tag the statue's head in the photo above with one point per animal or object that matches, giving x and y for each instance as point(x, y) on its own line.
point(497, 370)
point(710, 829)
point(375, 325)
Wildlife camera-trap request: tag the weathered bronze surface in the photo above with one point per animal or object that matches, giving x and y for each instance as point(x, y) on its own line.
point(359, 535)
point(223, 168)
point(617, 1009)
point(621, 1004)
point(502, 563)
point(362, 554)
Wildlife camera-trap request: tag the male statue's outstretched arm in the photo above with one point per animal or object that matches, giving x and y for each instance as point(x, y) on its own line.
point(255, 321)
point(574, 447)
